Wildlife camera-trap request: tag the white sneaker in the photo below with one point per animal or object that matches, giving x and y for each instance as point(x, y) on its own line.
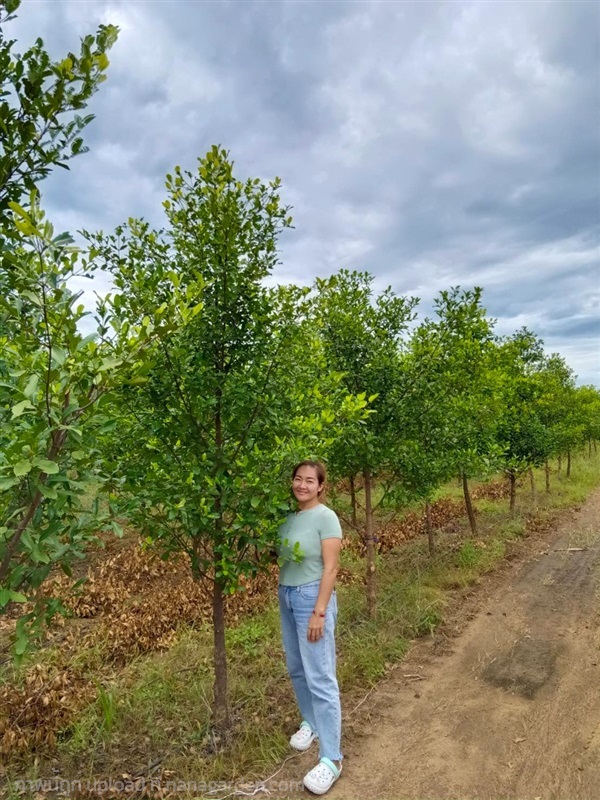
point(322, 777)
point(303, 738)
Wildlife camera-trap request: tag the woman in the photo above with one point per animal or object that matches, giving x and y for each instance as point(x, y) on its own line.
point(308, 607)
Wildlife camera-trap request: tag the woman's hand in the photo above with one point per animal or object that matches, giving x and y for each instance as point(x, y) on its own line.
point(316, 628)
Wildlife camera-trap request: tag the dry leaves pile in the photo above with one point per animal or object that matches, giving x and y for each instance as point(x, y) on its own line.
point(443, 512)
point(32, 715)
point(413, 524)
point(138, 602)
point(493, 490)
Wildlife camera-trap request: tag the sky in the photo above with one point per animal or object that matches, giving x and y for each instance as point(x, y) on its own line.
point(433, 144)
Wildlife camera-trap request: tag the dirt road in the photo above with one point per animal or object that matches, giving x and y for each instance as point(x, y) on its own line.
point(507, 710)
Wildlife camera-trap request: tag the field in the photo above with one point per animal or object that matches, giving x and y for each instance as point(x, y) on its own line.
point(122, 689)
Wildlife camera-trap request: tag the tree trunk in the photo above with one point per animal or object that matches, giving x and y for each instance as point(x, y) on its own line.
point(533, 489)
point(58, 439)
point(568, 463)
point(595, 448)
point(353, 501)
point(221, 715)
point(469, 504)
point(429, 529)
point(547, 477)
point(559, 470)
point(371, 590)
point(513, 491)
point(590, 448)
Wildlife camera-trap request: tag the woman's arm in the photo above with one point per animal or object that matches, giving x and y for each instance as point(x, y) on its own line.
point(330, 550)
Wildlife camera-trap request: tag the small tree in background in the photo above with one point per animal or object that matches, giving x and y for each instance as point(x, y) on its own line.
point(362, 339)
point(463, 365)
point(555, 406)
point(522, 435)
point(427, 425)
point(589, 401)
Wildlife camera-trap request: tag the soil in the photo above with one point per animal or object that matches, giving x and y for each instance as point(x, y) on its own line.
point(503, 702)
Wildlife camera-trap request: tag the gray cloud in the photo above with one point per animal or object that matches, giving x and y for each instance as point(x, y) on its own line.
point(433, 144)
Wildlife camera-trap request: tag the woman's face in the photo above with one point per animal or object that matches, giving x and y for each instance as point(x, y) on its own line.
point(305, 484)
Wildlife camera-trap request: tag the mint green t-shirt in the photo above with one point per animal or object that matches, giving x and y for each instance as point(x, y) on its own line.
point(308, 528)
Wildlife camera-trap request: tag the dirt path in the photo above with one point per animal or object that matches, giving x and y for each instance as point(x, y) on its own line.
point(508, 710)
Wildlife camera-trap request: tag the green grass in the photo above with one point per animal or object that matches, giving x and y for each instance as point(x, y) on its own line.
point(159, 704)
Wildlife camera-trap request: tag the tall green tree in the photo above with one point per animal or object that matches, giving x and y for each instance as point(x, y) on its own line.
point(428, 429)
point(52, 376)
point(53, 380)
point(464, 376)
point(202, 454)
point(555, 407)
point(589, 402)
point(525, 441)
point(362, 335)
point(580, 422)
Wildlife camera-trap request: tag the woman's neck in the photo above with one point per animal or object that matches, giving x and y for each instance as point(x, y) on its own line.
point(306, 506)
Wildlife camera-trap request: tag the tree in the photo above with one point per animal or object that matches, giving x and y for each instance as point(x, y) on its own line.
point(362, 339)
point(427, 424)
point(464, 380)
point(524, 439)
point(39, 100)
point(581, 421)
point(52, 377)
point(204, 448)
point(53, 380)
point(589, 402)
point(555, 404)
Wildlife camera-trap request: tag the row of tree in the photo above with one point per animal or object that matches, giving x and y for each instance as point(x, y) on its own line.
point(451, 398)
point(184, 406)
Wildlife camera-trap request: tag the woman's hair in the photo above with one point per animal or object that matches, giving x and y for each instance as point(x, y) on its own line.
point(320, 470)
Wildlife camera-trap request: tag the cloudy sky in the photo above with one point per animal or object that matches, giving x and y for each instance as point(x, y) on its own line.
point(431, 143)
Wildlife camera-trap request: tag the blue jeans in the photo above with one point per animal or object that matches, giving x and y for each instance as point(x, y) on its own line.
point(312, 664)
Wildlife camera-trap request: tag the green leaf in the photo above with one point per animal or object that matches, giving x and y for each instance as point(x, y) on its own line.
point(22, 468)
point(21, 645)
point(66, 569)
point(59, 355)
point(25, 227)
point(77, 455)
point(63, 239)
point(109, 363)
point(35, 299)
point(31, 387)
point(17, 597)
point(47, 491)
point(7, 483)
point(21, 408)
point(85, 341)
point(49, 467)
